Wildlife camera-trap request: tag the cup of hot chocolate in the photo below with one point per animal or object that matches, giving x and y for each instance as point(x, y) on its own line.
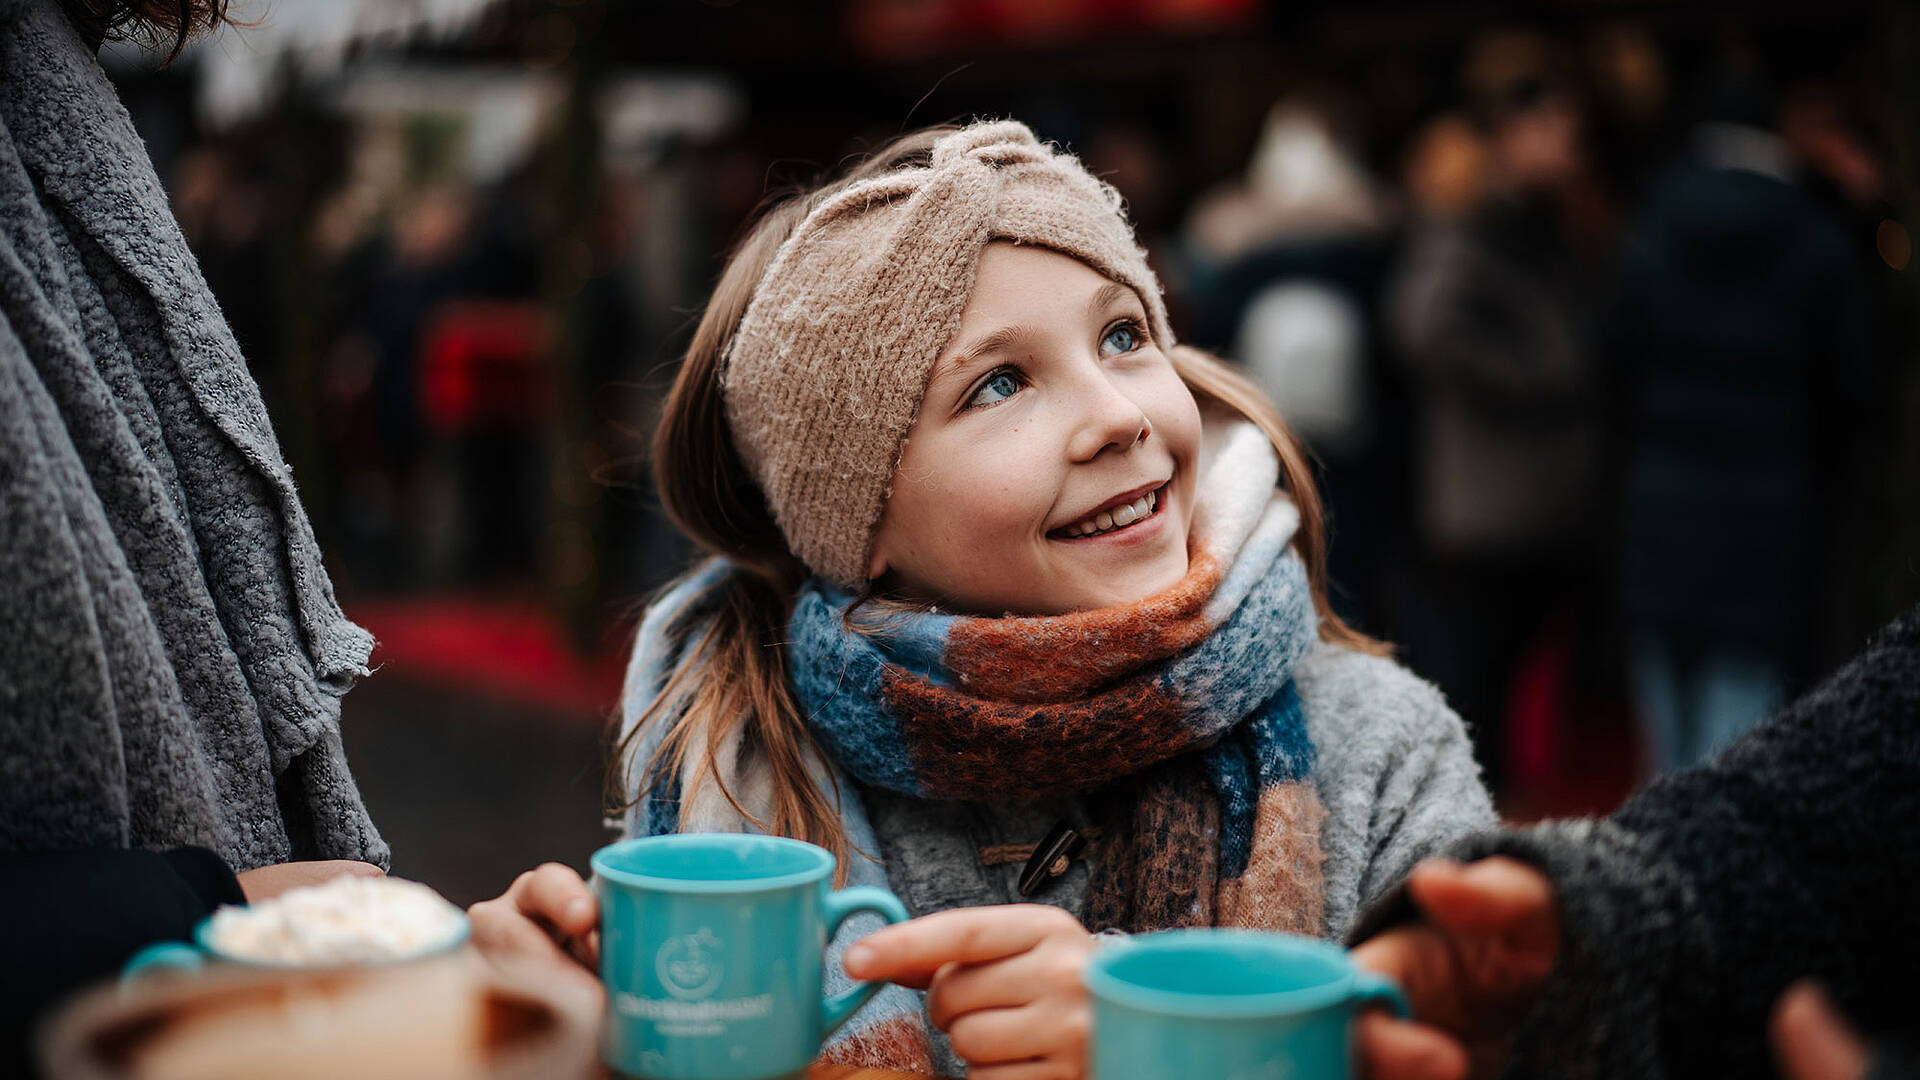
point(346, 922)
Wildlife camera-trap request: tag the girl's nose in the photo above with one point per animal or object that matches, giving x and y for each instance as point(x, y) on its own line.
point(1108, 419)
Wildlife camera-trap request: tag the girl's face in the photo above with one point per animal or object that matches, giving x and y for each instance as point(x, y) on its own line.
point(1052, 464)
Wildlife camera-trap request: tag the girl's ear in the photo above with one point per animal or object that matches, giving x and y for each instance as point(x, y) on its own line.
point(877, 563)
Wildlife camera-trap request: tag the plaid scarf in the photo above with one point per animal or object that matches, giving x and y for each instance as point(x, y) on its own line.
point(1176, 714)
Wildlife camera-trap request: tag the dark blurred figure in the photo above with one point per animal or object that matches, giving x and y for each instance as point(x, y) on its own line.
point(445, 361)
point(1492, 314)
point(391, 286)
point(1288, 266)
point(1743, 331)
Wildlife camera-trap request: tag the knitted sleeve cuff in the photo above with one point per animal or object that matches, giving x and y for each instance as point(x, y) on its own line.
point(207, 875)
point(1629, 934)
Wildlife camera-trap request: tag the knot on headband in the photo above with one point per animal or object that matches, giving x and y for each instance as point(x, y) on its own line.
point(1003, 142)
point(826, 370)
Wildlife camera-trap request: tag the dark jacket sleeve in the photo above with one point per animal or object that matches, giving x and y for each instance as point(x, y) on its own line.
point(1893, 1060)
point(69, 919)
point(1685, 914)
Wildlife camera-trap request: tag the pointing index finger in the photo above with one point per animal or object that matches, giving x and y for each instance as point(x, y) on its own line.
point(912, 951)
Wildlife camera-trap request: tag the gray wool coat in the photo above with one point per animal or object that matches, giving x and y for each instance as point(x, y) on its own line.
point(171, 654)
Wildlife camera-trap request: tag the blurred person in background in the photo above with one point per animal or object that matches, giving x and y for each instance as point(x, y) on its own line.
point(1844, 166)
point(1295, 255)
point(1743, 331)
point(409, 274)
point(173, 657)
point(1490, 313)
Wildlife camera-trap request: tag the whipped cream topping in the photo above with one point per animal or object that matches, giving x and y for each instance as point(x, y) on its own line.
point(348, 920)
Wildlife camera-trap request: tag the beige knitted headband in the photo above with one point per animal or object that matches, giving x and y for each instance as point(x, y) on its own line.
point(826, 370)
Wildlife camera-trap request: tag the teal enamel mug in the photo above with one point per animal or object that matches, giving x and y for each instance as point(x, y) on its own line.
point(1228, 1005)
point(713, 952)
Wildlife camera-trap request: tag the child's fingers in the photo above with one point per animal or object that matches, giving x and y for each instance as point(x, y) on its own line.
point(958, 989)
point(1392, 1049)
point(555, 894)
point(917, 948)
point(918, 980)
point(1496, 895)
point(1041, 1069)
point(993, 1036)
point(586, 949)
point(500, 931)
point(511, 941)
point(1812, 1041)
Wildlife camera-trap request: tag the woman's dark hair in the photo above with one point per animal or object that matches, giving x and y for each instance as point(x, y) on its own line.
point(154, 21)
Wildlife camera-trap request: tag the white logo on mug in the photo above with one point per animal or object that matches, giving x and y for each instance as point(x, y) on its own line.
point(691, 965)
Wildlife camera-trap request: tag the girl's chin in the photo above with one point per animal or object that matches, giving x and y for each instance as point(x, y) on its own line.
point(1112, 586)
point(1154, 549)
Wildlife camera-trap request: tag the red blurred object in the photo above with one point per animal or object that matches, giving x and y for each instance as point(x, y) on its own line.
point(899, 29)
point(1566, 754)
point(509, 649)
point(483, 366)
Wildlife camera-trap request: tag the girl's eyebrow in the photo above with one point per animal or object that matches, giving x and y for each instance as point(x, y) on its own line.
point(1108, 293)
point(1010, 335)
point(994, 342)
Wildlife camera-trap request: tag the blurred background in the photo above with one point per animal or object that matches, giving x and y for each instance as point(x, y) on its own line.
point(1597, 315)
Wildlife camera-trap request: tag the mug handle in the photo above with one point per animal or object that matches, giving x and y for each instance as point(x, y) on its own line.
point(174, 956)
point(1371, 989)
point(839, 1008)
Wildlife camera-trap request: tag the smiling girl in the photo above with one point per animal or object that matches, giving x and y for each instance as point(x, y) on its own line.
point(1010, 598)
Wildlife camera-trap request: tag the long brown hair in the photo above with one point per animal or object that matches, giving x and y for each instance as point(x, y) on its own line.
point(732, 672)
point(153, 21)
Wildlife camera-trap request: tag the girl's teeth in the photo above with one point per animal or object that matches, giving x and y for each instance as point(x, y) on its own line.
point(1139, 508)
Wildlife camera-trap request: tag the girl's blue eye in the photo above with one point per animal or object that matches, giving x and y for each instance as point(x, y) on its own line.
point(999, 386)
point(1121, 340)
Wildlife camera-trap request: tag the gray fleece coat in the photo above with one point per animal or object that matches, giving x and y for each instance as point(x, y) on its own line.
point(171, 654)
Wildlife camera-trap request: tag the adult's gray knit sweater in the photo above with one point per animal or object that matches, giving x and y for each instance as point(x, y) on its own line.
point(171, 654)
point(1685, 914)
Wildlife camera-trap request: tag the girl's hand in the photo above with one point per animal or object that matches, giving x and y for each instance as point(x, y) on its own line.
point(548, 919)
point(1472, 969)
point(1002, 982)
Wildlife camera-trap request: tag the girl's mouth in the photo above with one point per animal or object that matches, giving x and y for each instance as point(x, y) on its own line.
point(1119, 518)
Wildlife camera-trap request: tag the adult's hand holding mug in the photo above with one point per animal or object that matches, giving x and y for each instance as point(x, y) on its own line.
point(713, 952)
point(267, 882)
point(1472, 965)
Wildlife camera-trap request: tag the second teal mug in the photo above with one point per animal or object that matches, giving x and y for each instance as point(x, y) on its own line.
point(1228, 1005)
point(712, 948)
